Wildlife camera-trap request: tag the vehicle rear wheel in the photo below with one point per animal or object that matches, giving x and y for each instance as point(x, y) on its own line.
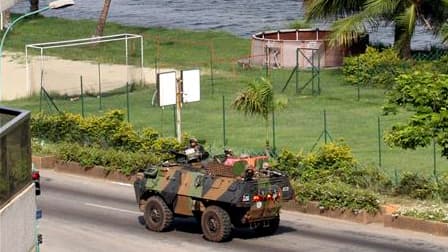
point(216, 224)
point(158, 216)
point(268, 230)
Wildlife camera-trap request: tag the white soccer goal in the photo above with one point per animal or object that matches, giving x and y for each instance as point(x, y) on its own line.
point(60, 76)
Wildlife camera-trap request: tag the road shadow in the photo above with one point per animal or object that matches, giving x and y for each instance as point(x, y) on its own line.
point(190, 225)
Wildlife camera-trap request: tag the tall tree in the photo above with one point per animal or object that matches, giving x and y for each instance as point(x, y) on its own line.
point(426, 95)
point(34, 5)
point(355, 17)
point(103, 18)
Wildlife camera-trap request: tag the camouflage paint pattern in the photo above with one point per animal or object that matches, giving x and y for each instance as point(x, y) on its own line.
point(188, 189)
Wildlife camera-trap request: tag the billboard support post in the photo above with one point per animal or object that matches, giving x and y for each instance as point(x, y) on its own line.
point(179, 110)
point(176, 91)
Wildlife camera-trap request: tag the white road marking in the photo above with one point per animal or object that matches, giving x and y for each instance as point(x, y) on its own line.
point(122, 184)
point(112, 208)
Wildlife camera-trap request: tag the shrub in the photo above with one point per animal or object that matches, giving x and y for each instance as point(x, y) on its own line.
point(107, 131)
point(122, 161)
point(332, 162)
point(374, 68)
point(442, 188)
point(415, 186)
point(332, 195)
point(290, 163)
point(55, 128)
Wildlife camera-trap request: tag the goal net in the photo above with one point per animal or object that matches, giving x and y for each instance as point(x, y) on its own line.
point(83, 66)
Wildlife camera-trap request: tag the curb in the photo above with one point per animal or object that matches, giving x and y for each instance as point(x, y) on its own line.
point(99, 172)
point(384, 216)
point(342, 214)
point(409, 223)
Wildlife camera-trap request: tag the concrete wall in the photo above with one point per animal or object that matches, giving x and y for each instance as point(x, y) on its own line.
point(17, 222)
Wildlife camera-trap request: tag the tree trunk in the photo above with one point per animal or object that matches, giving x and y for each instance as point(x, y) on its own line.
point(402, 41)
point(6, 19)
point(34, 5)
point(103, 18)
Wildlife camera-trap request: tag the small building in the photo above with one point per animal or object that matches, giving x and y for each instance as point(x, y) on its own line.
point(287, 48)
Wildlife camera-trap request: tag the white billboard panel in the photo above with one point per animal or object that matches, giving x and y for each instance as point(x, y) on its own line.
point(166, 87)
point(191, 80)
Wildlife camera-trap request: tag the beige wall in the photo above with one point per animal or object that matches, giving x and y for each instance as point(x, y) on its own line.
point(17, 222)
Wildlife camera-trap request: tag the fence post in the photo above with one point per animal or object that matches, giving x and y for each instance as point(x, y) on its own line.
point(312, 73)
point(273, 132)
point(40, 100)
point(380, 162)
point(224, 121)
point(266, 53)
point(358, 84)
point(174, 120)
point(318, 72)
point(127, 100)
point(396, 176)
point(99, 86)
point(41, 89)
point(82, 97)
point(211, 68)
point(161, 121)
point(325, 126)
point(297, 70)
point(434, 158)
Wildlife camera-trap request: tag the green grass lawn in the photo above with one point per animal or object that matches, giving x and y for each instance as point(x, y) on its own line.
point(298, 127)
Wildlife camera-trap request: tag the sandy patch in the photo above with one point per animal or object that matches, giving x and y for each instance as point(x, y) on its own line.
point(63, 76)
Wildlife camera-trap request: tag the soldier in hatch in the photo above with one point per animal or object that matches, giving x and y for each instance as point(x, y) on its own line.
point(195, 151)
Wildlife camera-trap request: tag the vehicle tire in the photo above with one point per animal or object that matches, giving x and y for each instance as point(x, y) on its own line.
point(158, 216)
point(216, 224)
point(270, 230)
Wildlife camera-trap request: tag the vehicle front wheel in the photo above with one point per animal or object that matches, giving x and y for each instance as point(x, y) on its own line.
point(158, 216)
point(216, 224)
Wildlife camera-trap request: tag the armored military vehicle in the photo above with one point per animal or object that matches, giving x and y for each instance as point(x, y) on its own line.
point(219, 193)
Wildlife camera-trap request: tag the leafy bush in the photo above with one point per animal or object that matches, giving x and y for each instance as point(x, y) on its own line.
point(122, 161)
point(290, 163)
point(332, 195)
point(415, 186)
point(374, 68)
point(442, 188)
point(333, 162)
point(107, 131)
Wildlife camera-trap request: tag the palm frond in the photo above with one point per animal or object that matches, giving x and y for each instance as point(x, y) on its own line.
point(323, 9)
point(348, 30)
point(408, 20)
point(257, 99)
point(381, 8)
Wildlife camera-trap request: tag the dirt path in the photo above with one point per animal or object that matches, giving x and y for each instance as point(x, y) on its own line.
point(63, 76)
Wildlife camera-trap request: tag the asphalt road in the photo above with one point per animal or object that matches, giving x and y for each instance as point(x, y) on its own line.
point(81, 214)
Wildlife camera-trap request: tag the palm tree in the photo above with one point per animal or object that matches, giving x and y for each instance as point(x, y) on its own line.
point(103, 18)
point(258, 100)
point(34, 5)
point(355, 17)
